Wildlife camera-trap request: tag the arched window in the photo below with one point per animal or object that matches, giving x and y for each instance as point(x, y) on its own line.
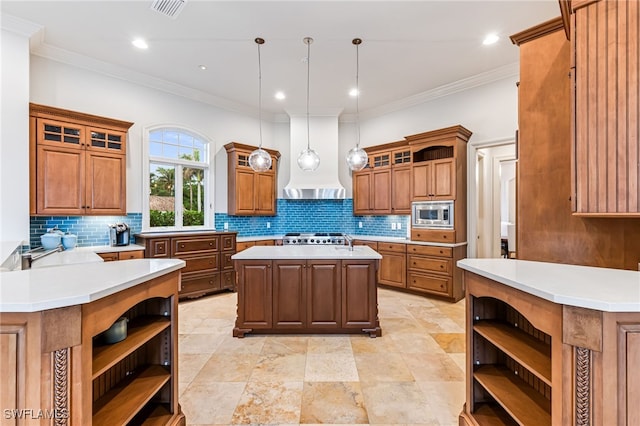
point(177, 179)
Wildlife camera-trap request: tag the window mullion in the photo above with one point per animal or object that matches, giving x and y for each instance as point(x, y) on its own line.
point(178, 196)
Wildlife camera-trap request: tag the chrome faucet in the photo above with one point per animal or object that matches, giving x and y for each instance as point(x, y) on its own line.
point(29, 257)
point(349, 241)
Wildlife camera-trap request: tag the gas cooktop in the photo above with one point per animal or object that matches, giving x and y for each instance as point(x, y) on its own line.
point(313, 238)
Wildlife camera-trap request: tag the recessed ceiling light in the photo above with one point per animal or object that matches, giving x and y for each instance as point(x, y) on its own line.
point(490, 39)
point(353, 92)
point(202, 67)
point(140, 43)
point(280, 95)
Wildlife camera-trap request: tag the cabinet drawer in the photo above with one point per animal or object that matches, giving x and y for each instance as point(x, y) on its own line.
point(430, 264)
point(158, 247)
point(433, 235)
point(372, 244)
point(108, 257)
point(228, 280)
point(200, 284)
point(244, 245)
point(225, 260)
point(228, 242)
point(397, 247)
point(201, 264)
point(430, 250)
point(194, 245)
point(134, 254)
point(429, 283)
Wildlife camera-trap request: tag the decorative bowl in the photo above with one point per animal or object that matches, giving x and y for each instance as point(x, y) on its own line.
point(69, 241)
point(50, 240)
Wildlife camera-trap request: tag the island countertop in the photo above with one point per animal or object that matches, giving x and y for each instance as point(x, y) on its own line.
point(603, 289)
point(307, 252)
point(48, 288)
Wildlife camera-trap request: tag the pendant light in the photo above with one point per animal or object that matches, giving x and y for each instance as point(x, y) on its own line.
point(357, 157)
point(308, 159)
point(260, 160)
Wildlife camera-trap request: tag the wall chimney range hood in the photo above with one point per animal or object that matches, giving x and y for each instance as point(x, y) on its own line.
point(323, 182)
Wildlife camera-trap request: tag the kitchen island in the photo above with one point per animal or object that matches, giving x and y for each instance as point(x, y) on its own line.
point(551, 344)
point(54, 363)
point(307, 289)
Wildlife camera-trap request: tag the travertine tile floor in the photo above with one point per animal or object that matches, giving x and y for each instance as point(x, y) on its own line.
point(413, 374)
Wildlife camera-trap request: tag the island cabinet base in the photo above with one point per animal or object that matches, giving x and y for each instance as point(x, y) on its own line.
point(307, 296)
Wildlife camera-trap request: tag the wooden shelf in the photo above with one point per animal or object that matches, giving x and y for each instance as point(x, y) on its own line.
point(139, 333)
point(520, 401)
point(492, 415)
point(160, 416)
point(530, 352)
point(121, 404)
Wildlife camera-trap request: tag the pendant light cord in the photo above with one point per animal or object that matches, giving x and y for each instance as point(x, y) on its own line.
point(259, 41)
point(308, 41)
point(357, 43)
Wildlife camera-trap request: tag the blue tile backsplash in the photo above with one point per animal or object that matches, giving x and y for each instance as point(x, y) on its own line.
point(293, 216)
point(91, 230)
point(313, 216)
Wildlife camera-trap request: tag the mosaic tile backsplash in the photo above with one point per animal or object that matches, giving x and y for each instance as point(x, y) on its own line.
point(313, 216)
point(293, 216)
point(91, 230)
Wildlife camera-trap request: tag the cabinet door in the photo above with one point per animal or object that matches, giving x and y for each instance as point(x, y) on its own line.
point(254, 294)
point(381, 191)
point(105, 186)
point(393, 268)
point(134, 254)
point(323, 294)
point(607, 110)
point(245, 192)
point(421, 185)
point(265, 193)
point(60, 180)
point(443, 179)
point(358, 294)
point(106, 140)
point(361, 193)
point(58, 133)
point(289, 293)
point(401, 190)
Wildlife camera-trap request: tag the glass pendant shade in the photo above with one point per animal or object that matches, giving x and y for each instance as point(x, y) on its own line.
point(260, 160)
point(357, 158)
point(308, 160)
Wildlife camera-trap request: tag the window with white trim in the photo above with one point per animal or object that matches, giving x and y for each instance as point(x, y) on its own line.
point(176, 179)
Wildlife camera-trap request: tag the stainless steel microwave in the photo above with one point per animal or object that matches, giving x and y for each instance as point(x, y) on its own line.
point(432, 214)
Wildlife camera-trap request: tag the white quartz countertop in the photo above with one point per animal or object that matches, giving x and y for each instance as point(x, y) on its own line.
point(48, 288)
point(80, 255)
point(306, 252)
point(603, 289)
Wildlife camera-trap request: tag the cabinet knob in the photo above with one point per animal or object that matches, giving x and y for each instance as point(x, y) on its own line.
point(210, 281)
point(445, 237)
point(441, 252)
point(414, 263)
point(181, 245)
point(210, 244)
point(441, 266)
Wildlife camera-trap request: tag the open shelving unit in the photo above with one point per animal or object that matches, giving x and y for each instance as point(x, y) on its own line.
point(134, 381)
point(511, 381)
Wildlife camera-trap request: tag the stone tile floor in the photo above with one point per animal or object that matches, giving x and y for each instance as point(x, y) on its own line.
point(412, 375)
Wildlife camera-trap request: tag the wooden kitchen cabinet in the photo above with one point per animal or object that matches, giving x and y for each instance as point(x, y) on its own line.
point(121, 255)
point(250, 193)
point(393, 265)
point(434, 180)
point(432, 270)
point(307, 296)
point(606, 107)
point(207, 255)
point(77, 163)
point(383, 187)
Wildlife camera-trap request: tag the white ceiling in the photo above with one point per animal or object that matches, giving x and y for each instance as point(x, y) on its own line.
point(408, 48)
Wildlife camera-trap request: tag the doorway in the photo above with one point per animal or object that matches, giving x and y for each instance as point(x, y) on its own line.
point(491, 197)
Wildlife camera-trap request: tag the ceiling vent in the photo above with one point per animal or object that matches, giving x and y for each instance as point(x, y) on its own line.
point(170, 8)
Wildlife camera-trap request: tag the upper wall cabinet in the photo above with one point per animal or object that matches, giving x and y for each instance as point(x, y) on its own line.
point(606, 73)
point(77, 163)
point(250, 193)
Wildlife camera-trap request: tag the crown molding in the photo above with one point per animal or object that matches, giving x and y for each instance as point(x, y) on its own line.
point(116, 71)
point(500, 73)
point(19, 26)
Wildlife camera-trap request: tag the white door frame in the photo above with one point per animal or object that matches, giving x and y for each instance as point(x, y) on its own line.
point(472, 195)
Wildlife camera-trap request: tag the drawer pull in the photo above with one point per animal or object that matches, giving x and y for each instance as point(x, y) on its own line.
point(210, 281)
point(181, 245)
point(210, 244)
point(414, 263)
point(441, 266)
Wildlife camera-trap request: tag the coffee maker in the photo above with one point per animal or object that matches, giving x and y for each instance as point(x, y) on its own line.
point(119, 234)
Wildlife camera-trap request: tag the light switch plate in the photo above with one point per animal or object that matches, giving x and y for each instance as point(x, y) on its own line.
point(393, 226)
